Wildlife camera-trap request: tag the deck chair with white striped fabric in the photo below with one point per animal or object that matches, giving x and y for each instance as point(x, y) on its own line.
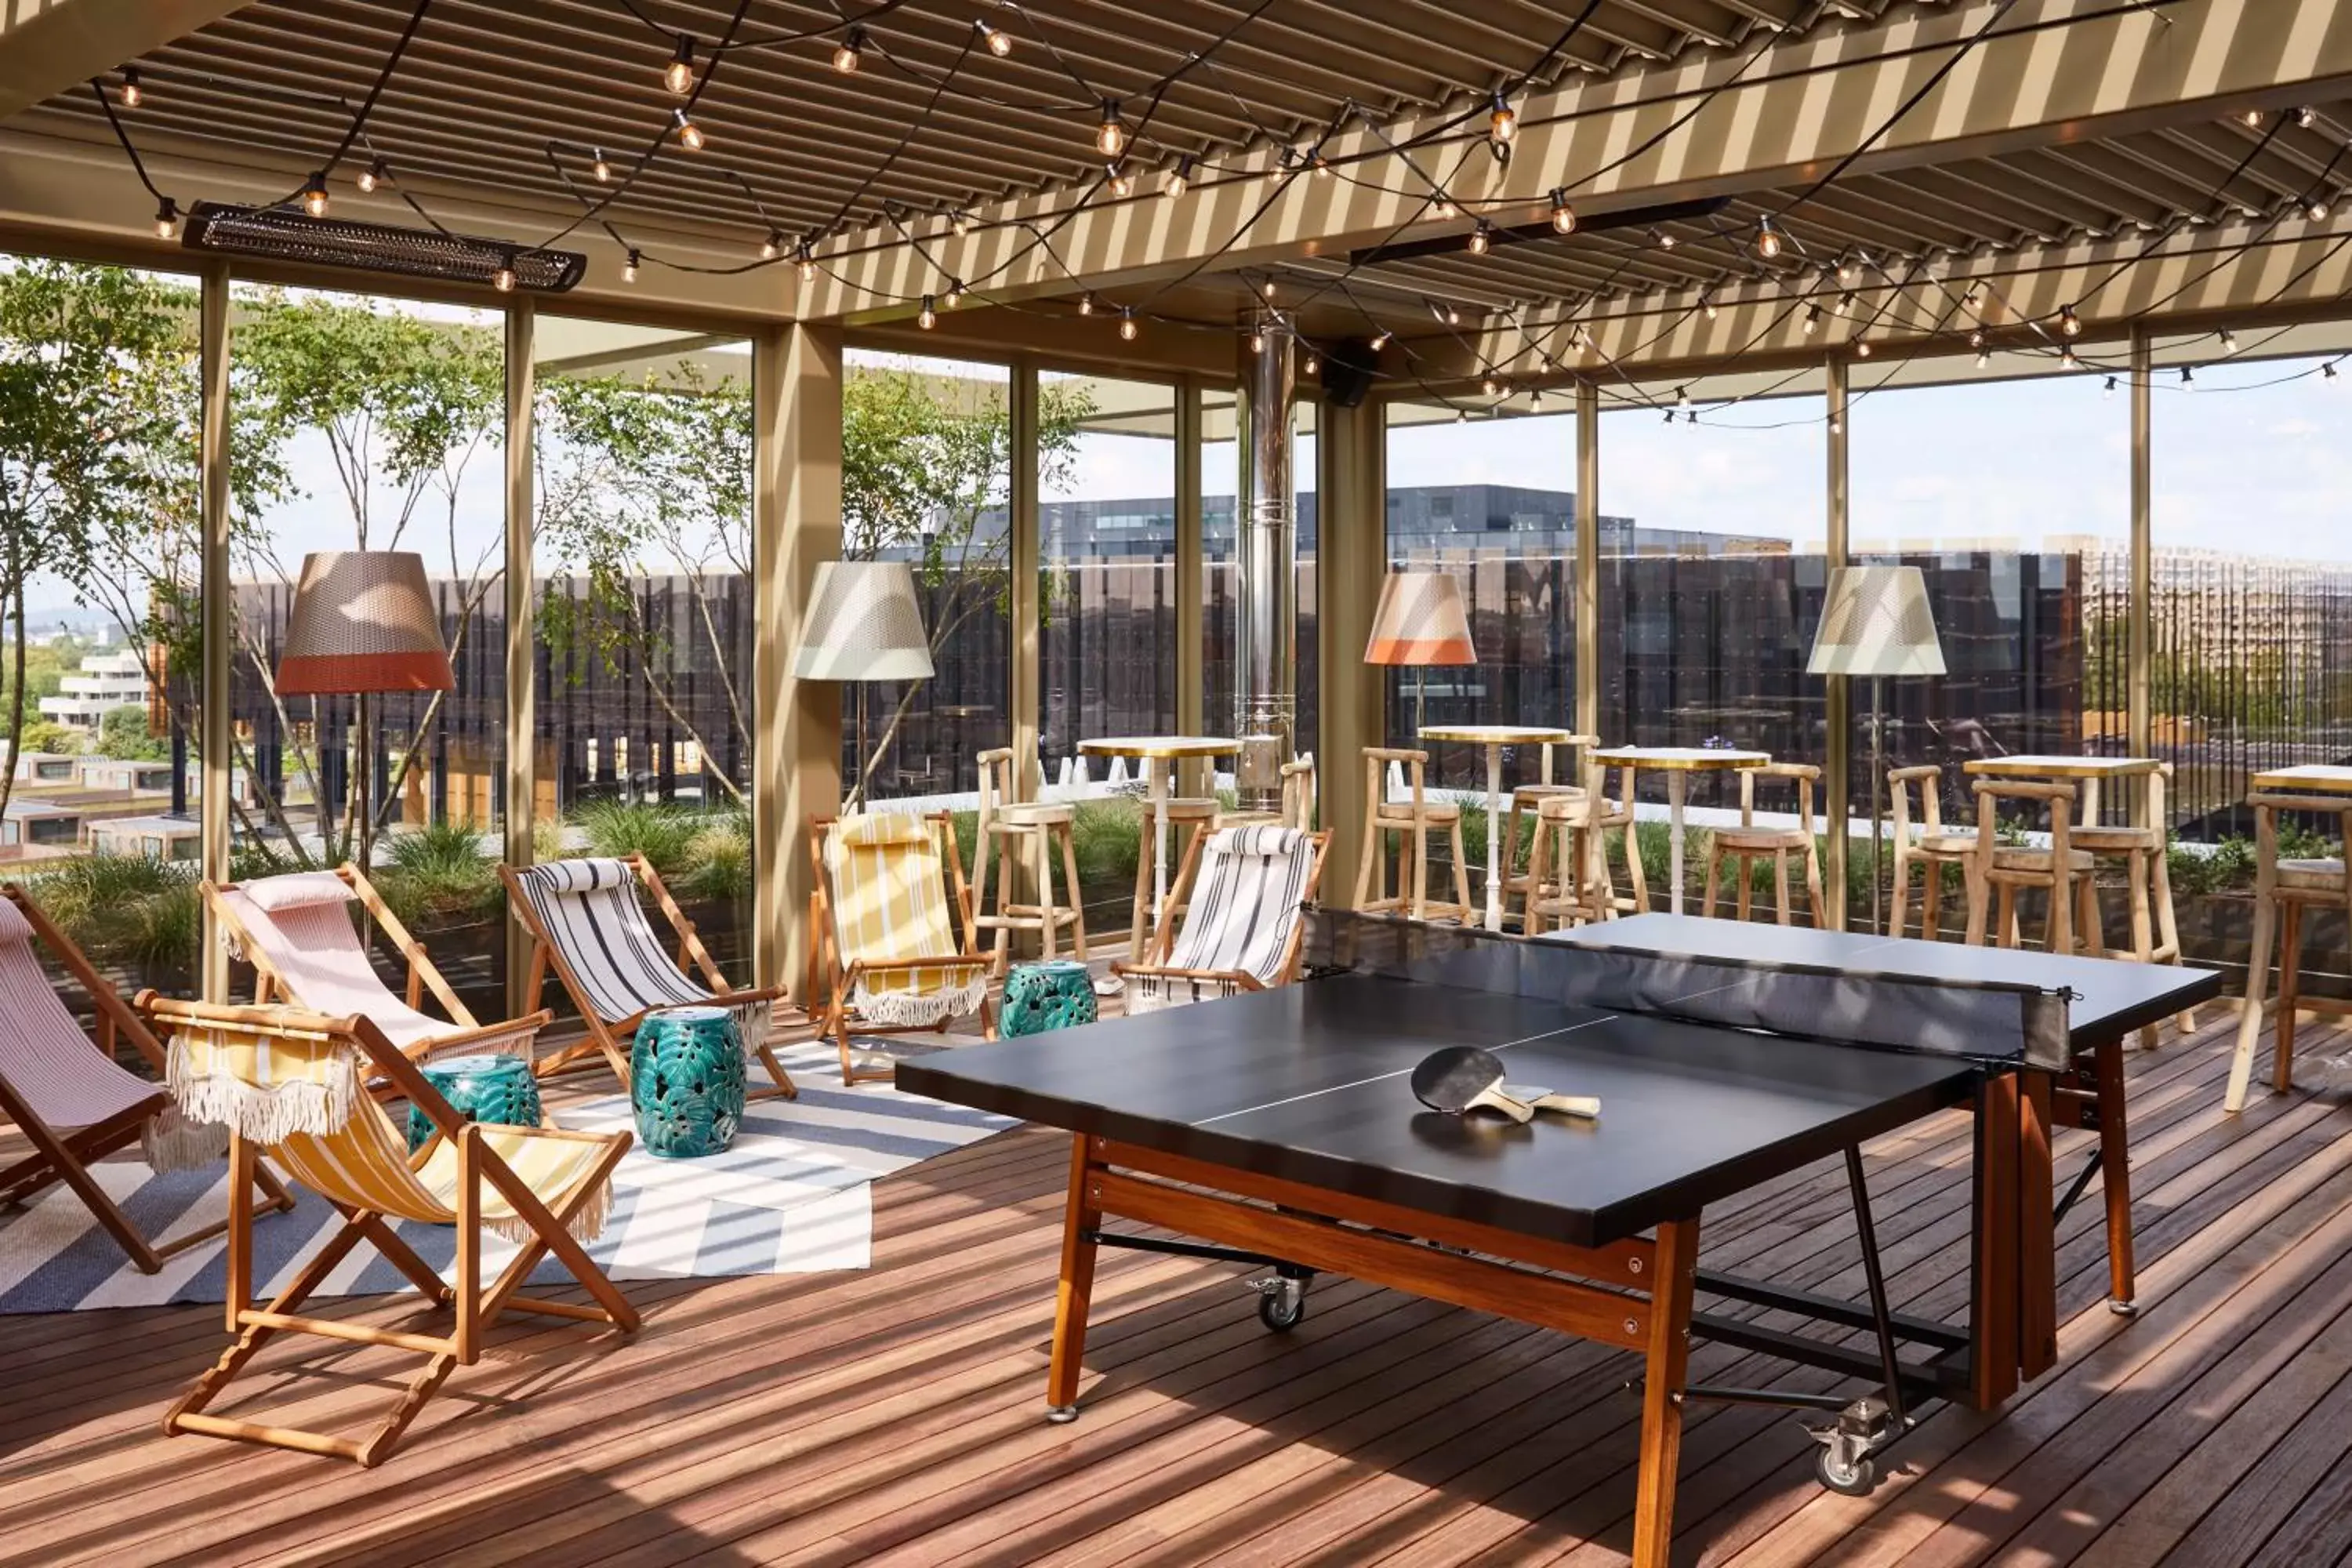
point(588, 923)
point(73, 1103)
point(289, 1085)
point(893, 949)
point(1245, 892)
point(298, 932)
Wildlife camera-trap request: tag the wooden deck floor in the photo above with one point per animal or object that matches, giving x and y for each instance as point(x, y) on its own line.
point(895, 1416)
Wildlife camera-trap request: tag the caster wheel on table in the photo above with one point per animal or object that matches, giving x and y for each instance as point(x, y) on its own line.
point(1281, 1304)
point(1854, 1478)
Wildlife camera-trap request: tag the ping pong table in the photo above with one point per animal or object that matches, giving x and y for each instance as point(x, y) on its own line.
point(1278, 1130)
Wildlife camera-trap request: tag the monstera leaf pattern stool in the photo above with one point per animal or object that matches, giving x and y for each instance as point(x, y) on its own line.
point(687, 1082)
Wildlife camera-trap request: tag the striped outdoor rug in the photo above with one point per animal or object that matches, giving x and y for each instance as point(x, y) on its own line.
point(794, 1195)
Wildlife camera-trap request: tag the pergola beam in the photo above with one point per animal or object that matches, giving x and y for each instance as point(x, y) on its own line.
point(48, 46)
point(2046, 72)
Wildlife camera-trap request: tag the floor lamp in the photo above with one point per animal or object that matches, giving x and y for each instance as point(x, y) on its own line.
point(1419, 621)
point(1876, 622)
point(363, 622)
point(864, 624)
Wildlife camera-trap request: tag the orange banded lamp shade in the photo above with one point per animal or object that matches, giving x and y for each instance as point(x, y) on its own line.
point(364, 621)
point(1421, 620)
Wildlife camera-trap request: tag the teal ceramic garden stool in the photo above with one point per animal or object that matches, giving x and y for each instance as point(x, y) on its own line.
point(499, 1090)
point(686, 1081)
point(1056, 995)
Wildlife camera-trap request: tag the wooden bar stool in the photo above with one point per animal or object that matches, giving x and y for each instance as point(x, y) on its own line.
point(1936, 848)
point(1568, 874)
point(2000, 871)
point(1012, 833)
point(2154, 936)
point(1748, 843)
point(1525, 800)
point(1416, 817)
point(2283, 888)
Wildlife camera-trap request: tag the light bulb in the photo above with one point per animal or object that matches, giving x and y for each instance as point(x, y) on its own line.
point(772, 246)
point(849, 52)
point(1127, 327)
point(960, 221)
point(629, 268)
point(1442, 206)
point(2327, 372)
point(678, 74)
point(2229, 342)
point(1311, 365)
point(1665, 241)
point(1503, 123)
point(1670, 416)
point(929, 318)
point(1086, 304)
point(2188, 375)
point(1266, 288)
point(1461, 416)
point(132, 96)
point(804, 262)
point(1121, 183)
point(167, 218)
point(1110, 139)
point(1862, 348)
point(2253, 118)
point(2306, 116)
point(1984, 360)
point(1707, 302)
point(1453, 317)
point(1563, 216)
point(1846, 271)
point(374, 175)
point(1481, 240)
point(955, 292)
point(314, 196)
point(1768, 239)
point(689, 134)
point(1379, 340)
point(1179, 180)
point(1258, 343)
point(2068, 322)
point(1977, 338)
point(1973, 296)
point(2319, 210)
point(602, 170)
point(503, 279)
point(1535, 398)
point(1682, 398)
point(2066, 357)
point(1489, 386)
point(2108, 390)
point(1812, 318)
point(996, 40)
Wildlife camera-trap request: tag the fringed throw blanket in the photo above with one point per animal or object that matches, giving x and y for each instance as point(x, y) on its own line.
point(890, 901)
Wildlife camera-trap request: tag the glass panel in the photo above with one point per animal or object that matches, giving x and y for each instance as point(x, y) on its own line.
point(100, 780)
point(645, 619)
point(376, 426)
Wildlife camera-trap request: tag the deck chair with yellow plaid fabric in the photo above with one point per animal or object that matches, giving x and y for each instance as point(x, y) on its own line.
point(893, 949)
point(289, 1085)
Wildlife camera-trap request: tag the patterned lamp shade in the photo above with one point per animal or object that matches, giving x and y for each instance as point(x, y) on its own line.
point(362, 621)
point(1420, 619)
point(864, 624)
point(1876, 622)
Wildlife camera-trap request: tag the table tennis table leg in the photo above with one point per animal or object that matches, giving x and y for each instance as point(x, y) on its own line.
point(1993, 1304)
point(2037, 1231)
point(1081, 1220)
point(2115, 1164)
point(1675, 1267)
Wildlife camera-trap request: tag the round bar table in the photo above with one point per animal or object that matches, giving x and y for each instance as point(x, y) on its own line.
point(2089, 772)
point(1677, 763)
point(1494, 738)
point(1159, 754)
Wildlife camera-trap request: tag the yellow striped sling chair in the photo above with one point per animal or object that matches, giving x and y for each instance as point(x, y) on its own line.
point(290, 1085)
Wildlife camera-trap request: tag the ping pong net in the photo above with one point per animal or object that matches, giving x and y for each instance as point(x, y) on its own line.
point(1996, 1022)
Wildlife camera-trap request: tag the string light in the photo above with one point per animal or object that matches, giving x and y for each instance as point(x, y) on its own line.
point(1481, 239)
point(1258, 343)
point(1127, 325)
point(1321, 165)
point(678, 74)
point(1862, 348)
point(1503, 123)
point(804, 262)
point(1665, 241)
point(1086, 304)
point(1453, 317)
point(960, 221)
point(602, 170)
point(2319, 211)
point(503, 279)
point(2253, 118)
point(1381, 340)
point(928, 317)
point(2188, 375)
point(2229, 342)
point(1707, 303)
point(1670, 416)
point(1535, 398)
point(1312, 365)
point(2327, 372)
point(996, 40)
point(629, 268)
point(1977, 338)
point(1563, 216)
point(1984, 359)
point(1489, 386)
point(1682, 398)
point(689, 134)
point(1442, 207)
point(1812, 318)
point(955, 292)
point(1973, 296)
point(314, 194)
point(167, 218)
point(2108, 390)
point(374, 175)
point(1267, 288)
point(1180, 178)
point(2068, 322)
point(772, 246)
point(850, 52)
point(1275, 171)
point(1846, 271)
point(2306, 116)
point(1461, 416)
point(1110, 139)
point(1768, 239)
point(2067, 358)
point(1121, 183)
point(132, 96)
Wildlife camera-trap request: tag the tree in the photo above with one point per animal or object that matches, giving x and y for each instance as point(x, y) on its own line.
point(72, 342)
point(123, 733)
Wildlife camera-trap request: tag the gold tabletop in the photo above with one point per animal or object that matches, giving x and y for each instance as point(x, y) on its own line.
point(1504, 735)
point(2035, 767)
point(1678, 759)
point(2321, 778)
point(1160, 748)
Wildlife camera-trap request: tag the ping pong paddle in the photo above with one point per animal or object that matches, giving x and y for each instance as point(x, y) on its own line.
point(1586, 1105)
point(1462, 1078)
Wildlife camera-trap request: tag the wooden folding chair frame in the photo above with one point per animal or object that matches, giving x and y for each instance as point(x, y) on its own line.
point(826, 999)
point(66, 1157)
point(611, 1038)
point(1180, 895)
point(269, 986)
point(476, 1308)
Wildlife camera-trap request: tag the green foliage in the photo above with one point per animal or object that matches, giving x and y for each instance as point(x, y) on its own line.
point(663, 834)
point(122, 733)
point(125, 909)
point(718, 858)
point(438, 875)
point(48, 736)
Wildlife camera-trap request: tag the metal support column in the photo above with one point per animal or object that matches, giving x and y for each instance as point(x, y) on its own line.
point(2139, 615)
point(796, 386)
point(522, 644)
point(1191, 573)
point(1838, 710)
point(1351, 524)
point(1025, 690)
point(217, 641)
point(1587, 566)
point(1265, 652)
